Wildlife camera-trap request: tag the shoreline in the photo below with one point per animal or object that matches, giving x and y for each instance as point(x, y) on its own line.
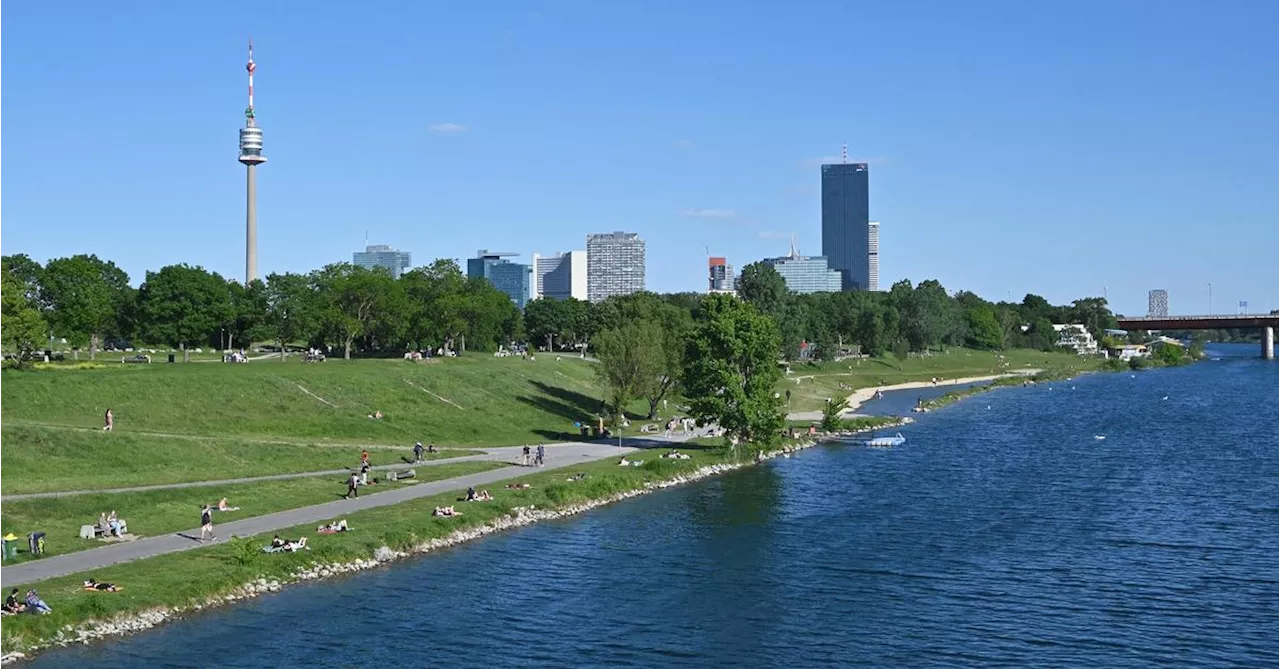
point(130, 623)
point(863, 395)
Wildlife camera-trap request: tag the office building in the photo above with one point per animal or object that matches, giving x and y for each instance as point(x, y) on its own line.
point(512, 278)
point(846, 222)
point(381, 255)
point(1158, 303)
point(561, 276)
point(719, 276)
point(615, 265)
point(873, 256)
point(806, 274)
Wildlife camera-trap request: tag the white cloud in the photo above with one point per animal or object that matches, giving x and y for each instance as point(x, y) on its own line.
point(447, 128)
point(708, 213)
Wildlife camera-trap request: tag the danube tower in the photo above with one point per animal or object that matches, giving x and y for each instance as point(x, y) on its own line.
point(251, 156)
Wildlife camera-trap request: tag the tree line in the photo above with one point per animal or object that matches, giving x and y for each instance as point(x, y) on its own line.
point(721, 354)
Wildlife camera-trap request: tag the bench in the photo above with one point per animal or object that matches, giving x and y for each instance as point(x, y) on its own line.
point(144, 359)
point(99, 532)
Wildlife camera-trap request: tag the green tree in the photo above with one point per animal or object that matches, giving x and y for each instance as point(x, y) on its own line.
point(290, 313)
point(731, 370)
point(351, 297)
point(762, 286)
point(984, 330)
point(831, 414)
point(182, 305)
point(22, 327)
point(546, 320)
point(631, 363)
point(1041, 334)
point(84, 296)
point(1169, 354)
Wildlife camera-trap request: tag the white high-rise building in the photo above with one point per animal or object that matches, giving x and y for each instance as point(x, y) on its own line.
point(561, 276)
point(615, 265)
point(873, 255)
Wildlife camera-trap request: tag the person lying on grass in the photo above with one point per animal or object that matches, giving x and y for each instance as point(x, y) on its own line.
point(222, 505)
point(676, 455)
point(35, 604)
point(333, 528)
point(576, 477)
point(482, 496)
point(104, 587)
point(518, 486)
point(278, 544)
point(445, 511)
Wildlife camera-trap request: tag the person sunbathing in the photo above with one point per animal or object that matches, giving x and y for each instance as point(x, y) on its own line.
point(445, 511)
point(518, 486)
point(277, 543)
point(333, 528)
point(624, 462)
point(104, 587)
point(484, 496)
point(222, 505)
point(35, 604)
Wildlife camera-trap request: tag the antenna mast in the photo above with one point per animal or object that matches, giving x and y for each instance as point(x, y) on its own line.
point(844, 148)
point(250, 67)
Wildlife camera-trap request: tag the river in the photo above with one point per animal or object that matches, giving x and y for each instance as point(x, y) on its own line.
point(1003, 533)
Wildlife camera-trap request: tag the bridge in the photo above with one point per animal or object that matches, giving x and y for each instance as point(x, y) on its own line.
point(1265, 322)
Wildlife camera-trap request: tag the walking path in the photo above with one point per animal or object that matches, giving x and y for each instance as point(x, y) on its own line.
point(559, 456)
point(504, 454)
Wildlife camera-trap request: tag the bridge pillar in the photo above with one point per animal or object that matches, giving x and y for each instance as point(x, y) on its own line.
point(1268, 343)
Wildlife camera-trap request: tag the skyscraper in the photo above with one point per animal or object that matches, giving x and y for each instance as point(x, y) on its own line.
point(509, 277)
point(846, 222)
point(615, 265)
point(719, 276)
point(873, 256)
point(805, 274)
point(381, 255)
point(561, 276)
point(1158, 303)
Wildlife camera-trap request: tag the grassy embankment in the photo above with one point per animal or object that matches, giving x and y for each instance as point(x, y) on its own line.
point(181, 423)
point(811, 385)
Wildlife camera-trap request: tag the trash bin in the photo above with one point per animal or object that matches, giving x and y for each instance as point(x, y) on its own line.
point(170, 357)
point(10, 547)
point(35, 543)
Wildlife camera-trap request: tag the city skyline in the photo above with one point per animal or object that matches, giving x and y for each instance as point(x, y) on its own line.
point(990, 153)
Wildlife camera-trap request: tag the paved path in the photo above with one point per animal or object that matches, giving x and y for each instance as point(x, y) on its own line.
point(509, 454)
point(558, 456)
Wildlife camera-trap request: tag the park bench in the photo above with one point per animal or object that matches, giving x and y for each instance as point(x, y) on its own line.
point(98, 531)
point(143, 359)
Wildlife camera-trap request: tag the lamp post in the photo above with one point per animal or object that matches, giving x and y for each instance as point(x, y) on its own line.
point(1210, 298)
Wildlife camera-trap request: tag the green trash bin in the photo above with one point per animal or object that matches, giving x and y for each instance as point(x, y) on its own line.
point(10, 547)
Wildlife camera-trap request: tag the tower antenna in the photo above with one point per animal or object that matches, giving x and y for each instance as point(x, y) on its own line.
point(250, 67)
point(844, 148)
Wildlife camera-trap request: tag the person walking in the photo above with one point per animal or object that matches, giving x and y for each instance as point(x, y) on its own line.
point(364, 473)
point(110, 421)
point(542, 453)
point(524, 456)
point(417, 452)
point(206, 522)
point(352, 482)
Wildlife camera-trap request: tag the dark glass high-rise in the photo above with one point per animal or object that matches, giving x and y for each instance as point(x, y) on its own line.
point(846, 218)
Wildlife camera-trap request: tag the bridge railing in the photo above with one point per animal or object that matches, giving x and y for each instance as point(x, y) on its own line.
point(1215, 317)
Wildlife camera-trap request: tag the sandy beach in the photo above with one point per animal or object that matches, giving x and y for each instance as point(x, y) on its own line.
point(862, 395)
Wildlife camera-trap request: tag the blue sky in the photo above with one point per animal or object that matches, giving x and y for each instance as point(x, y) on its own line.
point(1014, 146)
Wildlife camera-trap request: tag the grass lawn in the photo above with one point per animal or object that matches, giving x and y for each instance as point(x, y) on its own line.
point(472, 400)
point(180, 578)
point(41, 459)
point(158, 512)
point(811, 385)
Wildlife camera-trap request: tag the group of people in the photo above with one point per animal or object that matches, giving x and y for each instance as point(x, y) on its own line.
point(676, 455)
point(31, 604)
point(539, 457)
point(112, 525)
point(279, 545)
point(481, 496)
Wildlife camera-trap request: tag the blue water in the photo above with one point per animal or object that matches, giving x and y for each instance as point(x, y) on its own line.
point(1006, 536)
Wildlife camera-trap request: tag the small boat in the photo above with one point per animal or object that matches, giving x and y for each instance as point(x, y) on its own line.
point(885, 442)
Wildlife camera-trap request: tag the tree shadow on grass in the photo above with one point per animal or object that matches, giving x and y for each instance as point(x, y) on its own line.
point(568, 404)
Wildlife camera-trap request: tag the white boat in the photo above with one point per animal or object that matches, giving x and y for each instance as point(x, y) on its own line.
point(884, 442)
